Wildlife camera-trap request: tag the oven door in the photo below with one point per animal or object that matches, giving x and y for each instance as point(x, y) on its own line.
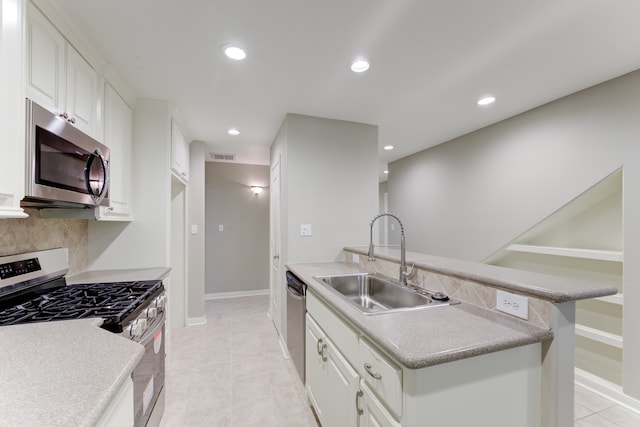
point(148, 376)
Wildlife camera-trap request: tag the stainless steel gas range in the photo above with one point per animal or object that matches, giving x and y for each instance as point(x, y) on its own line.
point(33, 288)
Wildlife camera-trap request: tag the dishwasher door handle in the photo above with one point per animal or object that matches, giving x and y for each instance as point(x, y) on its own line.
point(294, 294)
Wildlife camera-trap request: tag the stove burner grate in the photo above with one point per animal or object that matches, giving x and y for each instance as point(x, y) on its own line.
point(115, 302)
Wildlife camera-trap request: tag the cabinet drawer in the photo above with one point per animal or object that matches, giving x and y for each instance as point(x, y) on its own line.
point(382, 375)
point(342, 335)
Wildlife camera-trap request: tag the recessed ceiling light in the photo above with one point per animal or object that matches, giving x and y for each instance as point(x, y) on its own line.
point(388, 147)
point(235, 52)
point(385, 172)
point(486, 100)
point(360, 65)
point(233, 131)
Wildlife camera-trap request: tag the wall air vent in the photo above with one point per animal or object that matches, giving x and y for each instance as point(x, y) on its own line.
point(223, 157)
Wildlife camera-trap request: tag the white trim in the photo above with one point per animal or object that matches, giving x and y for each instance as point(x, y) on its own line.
point(599, 336)
point(613, 256)
point(283, 347)
point(606, 389)
point(196, 321)
point(617, 299)
point(238, 294)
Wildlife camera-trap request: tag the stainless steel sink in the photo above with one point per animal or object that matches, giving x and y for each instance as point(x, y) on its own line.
point(376, 294)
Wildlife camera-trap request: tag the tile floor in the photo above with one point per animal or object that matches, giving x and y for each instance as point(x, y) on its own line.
point(231, 373)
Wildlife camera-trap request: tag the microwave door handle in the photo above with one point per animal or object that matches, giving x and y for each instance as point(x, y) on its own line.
point(97, 198)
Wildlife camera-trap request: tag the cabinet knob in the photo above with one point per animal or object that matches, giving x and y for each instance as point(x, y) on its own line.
point(72, 120)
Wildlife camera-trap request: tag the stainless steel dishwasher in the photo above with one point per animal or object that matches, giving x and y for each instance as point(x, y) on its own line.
point(296, 310)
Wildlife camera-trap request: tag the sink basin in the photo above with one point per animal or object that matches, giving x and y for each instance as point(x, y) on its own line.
point(376, 294)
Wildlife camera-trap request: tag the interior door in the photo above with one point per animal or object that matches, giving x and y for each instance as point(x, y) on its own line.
point(275, 288)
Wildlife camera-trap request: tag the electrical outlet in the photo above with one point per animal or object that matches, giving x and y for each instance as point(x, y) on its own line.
point(305, 230)
point(513, 304)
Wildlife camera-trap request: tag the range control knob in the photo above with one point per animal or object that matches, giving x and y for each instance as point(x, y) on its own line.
point(138, 327)
point(160, 302)
point(151, 312)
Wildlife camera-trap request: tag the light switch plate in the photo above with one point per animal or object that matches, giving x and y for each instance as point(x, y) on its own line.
point(513, 304)
point(220, 227)
point(194, 228)
point(305, 230)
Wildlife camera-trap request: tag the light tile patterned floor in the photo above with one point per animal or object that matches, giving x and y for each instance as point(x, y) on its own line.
point(231, 373)
point(593, 410)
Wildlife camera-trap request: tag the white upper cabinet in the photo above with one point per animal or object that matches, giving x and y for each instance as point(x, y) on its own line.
point(118, 136)
point(12, 109)
point(179, 153)
point(58, 78)
point(82, 94)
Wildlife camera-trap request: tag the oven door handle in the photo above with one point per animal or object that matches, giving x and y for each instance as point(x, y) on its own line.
point(154, 327)
point(98, 190)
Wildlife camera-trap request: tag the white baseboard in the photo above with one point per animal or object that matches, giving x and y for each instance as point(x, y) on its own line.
point(222, 295)
point(283, 347)
point(196, 321)
point(606, 389)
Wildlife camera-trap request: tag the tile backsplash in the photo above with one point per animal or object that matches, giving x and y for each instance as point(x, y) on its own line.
point(35, 234)
point(471, 292)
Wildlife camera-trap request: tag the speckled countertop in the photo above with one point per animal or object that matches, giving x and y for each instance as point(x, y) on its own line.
point(61, 373)
point(66, 373)
point(431, 336)
point(543, 286)
point(124, 275)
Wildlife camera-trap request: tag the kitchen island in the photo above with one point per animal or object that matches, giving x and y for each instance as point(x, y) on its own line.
point(448, 345)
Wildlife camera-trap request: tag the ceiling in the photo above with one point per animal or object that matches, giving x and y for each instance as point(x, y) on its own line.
point(431, 61)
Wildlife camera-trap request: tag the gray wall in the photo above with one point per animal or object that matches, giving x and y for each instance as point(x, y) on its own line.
point(237, 258)
point(472, 195)
point(144, 242)
point(329, 181)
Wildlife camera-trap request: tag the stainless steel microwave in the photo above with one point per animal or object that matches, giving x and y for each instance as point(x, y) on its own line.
point(65, 167)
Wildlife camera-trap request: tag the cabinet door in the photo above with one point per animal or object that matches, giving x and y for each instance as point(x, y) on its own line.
point(179, 153)
point(120, 410)
point(45, 64)
point(12, 143)
point(316, 357)
point(343, 384)
point(118, 137)
point(82, 93)
point(373, 413)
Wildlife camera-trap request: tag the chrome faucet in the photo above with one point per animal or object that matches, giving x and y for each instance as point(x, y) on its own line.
point(404, 275)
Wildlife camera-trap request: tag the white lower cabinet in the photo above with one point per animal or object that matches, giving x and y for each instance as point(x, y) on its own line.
point(372, 413)
point(332, 384)
point(352, 382)
point(119, 413)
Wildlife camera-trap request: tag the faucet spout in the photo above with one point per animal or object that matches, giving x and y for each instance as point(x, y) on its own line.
point(403, 263)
